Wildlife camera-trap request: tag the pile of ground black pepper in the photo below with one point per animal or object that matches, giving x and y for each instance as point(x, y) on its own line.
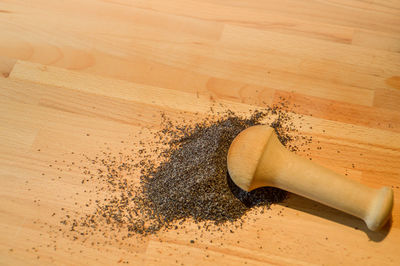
point(183, 176)
point(192, 182)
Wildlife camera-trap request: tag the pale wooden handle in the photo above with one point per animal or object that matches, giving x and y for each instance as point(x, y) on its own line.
point(318, 183)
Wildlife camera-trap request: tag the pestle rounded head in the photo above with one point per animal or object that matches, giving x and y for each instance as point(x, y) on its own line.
point(245, 152)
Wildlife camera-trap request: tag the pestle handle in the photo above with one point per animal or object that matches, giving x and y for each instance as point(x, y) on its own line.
point(303, 177)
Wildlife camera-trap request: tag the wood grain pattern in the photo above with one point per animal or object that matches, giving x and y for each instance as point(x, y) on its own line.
point(106, 68)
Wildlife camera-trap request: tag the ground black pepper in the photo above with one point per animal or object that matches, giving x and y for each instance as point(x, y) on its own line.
point(192, 181)
point(183, 176)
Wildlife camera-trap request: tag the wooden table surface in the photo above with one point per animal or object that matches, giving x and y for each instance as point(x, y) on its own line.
point(76, 74)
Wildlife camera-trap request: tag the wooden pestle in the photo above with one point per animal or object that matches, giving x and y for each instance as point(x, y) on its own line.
point(256, 158)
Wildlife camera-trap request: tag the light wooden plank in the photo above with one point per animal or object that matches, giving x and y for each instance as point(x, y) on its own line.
point(389, 98)
point(377, 40)
point(170, 98)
